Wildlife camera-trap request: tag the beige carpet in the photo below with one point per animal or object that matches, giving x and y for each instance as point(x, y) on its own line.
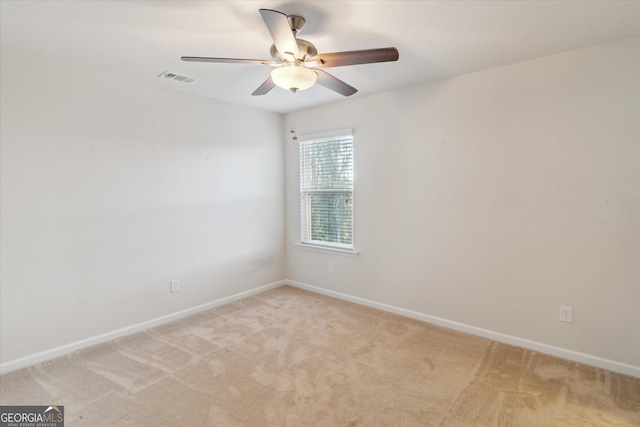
point(288, 357)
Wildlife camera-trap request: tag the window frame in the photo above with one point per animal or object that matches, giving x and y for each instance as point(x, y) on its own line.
point(316, 245)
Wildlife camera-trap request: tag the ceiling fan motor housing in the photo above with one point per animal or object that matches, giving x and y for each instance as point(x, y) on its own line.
point(307, 50)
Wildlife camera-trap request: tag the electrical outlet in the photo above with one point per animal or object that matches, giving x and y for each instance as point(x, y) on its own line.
point(175, 285)
point(331, 267)
point(566, 314)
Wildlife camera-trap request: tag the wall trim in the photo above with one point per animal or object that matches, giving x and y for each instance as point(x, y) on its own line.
point(564, 353)
point(327, 250)
point(62, 350)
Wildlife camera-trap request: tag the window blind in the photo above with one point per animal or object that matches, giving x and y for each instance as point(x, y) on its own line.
point(326, 191)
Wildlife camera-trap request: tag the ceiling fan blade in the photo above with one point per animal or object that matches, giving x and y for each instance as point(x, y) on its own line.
point(226, 60)
point(280, 30)
point(335, 84)
point(264, 88)
point(355, 57)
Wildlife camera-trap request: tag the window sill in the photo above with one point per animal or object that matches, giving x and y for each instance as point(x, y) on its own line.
point(327, 250)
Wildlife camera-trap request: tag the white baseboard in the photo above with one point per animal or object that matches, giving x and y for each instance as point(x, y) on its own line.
point(53, 353)
point(563, 353)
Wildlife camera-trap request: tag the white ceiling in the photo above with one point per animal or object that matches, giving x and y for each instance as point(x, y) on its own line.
point(436, 39)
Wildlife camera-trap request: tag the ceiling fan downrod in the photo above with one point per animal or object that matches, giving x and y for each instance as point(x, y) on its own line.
point(296, 23)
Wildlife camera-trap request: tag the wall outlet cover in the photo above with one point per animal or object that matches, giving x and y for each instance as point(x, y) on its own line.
point(566, 314)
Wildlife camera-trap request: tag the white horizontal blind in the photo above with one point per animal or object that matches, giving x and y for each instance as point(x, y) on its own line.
point(326, 191)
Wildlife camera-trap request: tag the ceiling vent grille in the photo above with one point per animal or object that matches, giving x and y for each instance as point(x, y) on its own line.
point(173, 76)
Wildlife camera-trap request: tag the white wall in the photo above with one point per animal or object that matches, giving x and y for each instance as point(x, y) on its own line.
point(491, 199)
point(112, 187)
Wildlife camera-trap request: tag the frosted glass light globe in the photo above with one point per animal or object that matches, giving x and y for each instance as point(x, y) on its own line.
point(293, 77)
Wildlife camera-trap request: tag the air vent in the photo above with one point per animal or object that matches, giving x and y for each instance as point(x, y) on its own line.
point(172, 76)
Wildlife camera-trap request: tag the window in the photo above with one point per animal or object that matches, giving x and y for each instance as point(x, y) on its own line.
point(326, 190)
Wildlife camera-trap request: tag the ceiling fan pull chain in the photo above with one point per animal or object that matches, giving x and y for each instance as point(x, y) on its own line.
point(293, 128)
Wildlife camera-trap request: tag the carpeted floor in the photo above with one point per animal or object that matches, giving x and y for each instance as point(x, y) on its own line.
point(288, 357)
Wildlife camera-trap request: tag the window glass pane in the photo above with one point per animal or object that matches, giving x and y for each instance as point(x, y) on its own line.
point(327, 165)
point(331, 217)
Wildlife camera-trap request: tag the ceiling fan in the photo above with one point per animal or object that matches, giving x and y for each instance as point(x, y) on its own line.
point(298, 65)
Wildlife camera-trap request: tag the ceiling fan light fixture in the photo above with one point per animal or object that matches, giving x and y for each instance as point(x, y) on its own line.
point(294, 77)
